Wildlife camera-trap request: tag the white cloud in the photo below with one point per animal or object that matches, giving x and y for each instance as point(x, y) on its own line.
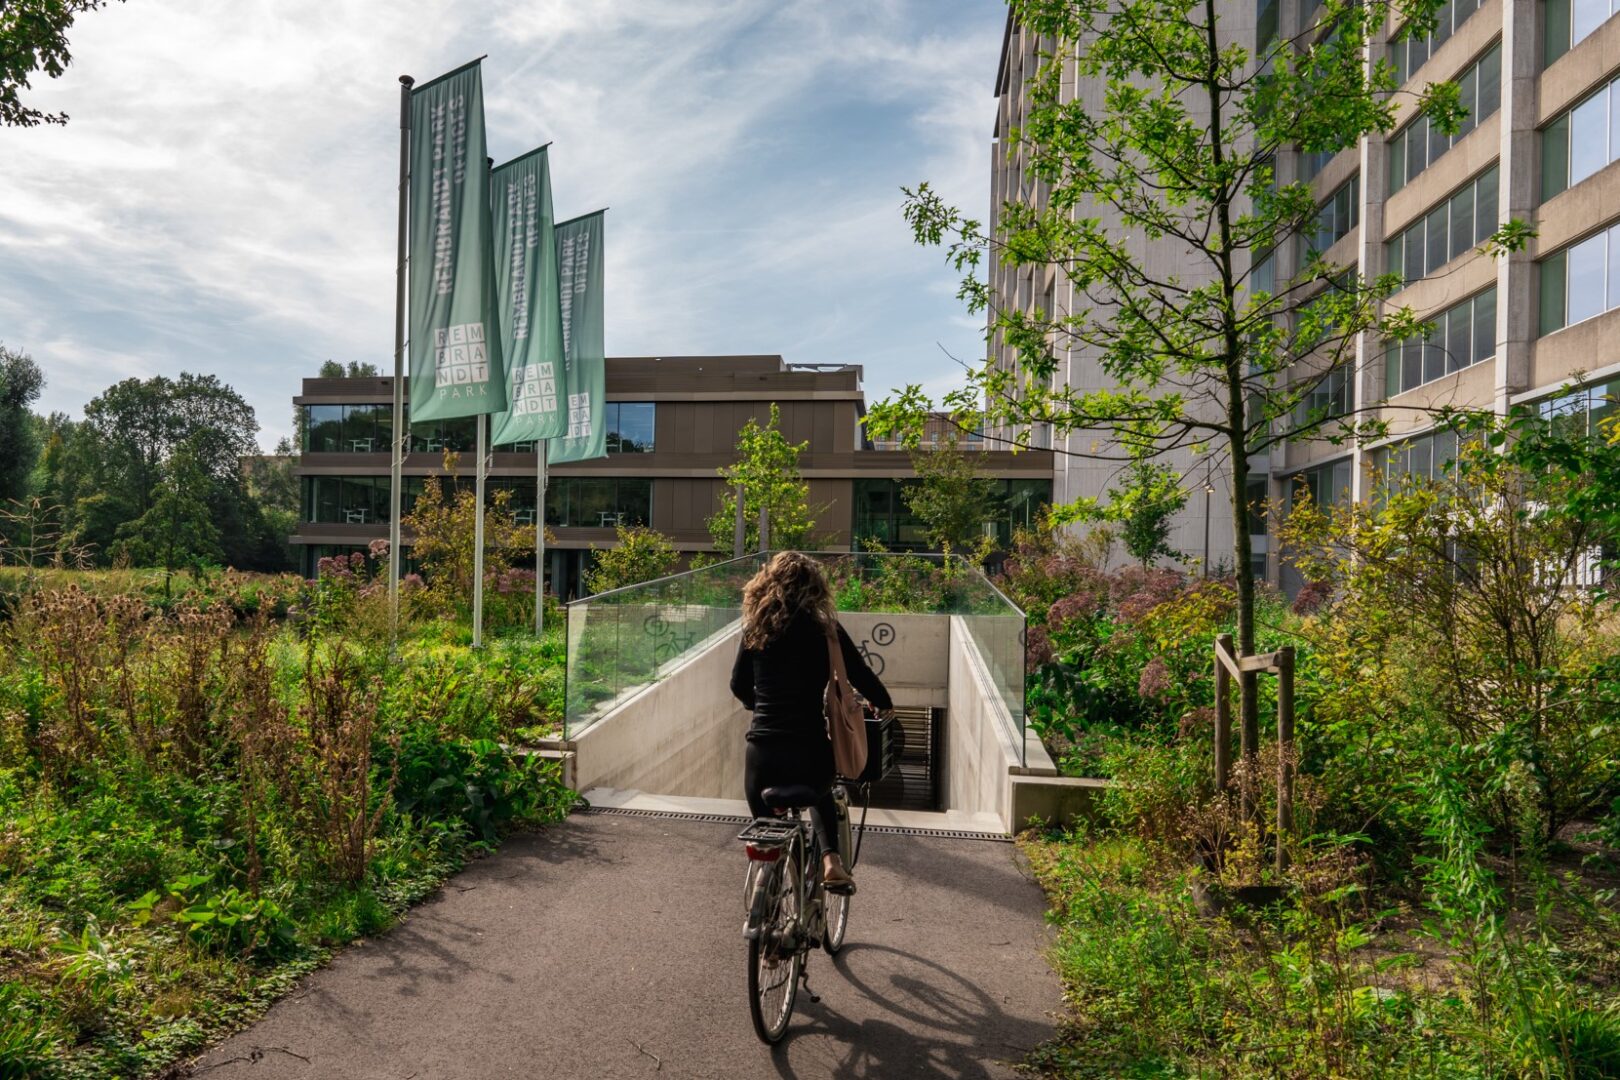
point(223, 198)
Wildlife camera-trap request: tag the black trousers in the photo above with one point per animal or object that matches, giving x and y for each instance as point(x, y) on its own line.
point(778, 760)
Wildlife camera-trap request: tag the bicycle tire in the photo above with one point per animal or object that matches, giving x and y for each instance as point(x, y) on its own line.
point(766, 965)
point(837, 919)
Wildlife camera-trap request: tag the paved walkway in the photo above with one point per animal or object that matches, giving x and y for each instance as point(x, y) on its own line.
point(610, 946)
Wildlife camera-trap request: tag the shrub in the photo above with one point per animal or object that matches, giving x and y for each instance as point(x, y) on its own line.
point(641, 554)
point(1459, 597)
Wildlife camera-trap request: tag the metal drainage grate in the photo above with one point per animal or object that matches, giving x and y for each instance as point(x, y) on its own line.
point(739, 819)
point(723, 819)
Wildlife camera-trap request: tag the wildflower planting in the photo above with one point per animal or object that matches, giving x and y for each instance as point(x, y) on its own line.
point(200, 798)
point(1446, 903)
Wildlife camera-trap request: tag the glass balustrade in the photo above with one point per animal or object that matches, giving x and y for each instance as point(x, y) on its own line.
point(624, 641)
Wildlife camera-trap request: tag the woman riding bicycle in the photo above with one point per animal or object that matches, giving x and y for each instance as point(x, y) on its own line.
point(781, 674)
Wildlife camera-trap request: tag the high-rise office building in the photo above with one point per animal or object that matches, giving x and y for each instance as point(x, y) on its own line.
point(1541, 81)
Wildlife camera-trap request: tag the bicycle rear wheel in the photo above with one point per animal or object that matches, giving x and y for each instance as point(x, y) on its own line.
point(775, 959)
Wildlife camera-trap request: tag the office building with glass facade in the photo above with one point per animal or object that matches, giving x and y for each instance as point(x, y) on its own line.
point(672, 423)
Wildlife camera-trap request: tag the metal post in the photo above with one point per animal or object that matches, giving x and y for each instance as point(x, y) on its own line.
point(1223, 715)
point(540, 538)
point(1285, 752)
point(401, 430)
point(1209, 489)
point(478, 535)
point(764, 528)
point(739, 546)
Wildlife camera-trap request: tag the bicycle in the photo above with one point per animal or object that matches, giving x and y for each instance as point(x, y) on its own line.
point(789, 911)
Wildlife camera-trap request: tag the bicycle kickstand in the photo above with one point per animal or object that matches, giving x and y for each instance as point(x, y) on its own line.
point(804, 978)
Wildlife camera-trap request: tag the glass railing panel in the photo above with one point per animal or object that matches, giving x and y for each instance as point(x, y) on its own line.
point(623, 641)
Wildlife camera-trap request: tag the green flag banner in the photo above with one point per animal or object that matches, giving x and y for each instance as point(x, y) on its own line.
point(526, 283)
point(579, 286)
point(456, 365)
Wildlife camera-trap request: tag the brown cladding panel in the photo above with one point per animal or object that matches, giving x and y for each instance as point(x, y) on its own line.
point(830, 501)
point(691, 503)
point(822, 437)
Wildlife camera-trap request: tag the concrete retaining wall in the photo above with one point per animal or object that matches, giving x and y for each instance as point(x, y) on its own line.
point(908, 652)
point(684, 736)
point(979, 756)
point(681, 736)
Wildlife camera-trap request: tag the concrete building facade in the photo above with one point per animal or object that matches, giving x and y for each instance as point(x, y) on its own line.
point(672, 423)
point(1541, 79)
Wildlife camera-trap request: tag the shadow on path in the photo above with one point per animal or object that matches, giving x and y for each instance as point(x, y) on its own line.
point(610, 946)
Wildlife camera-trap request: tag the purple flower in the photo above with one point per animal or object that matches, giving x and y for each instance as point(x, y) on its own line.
point(1155, 683)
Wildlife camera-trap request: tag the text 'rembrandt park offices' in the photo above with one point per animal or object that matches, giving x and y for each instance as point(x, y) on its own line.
point(672, 422)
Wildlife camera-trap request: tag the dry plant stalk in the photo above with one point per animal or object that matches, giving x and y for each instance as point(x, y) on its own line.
point(266, 742)
point(340, 715)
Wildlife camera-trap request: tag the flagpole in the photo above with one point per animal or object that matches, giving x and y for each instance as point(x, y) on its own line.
point(401, 432)
point(478, 534)
point(540, 539)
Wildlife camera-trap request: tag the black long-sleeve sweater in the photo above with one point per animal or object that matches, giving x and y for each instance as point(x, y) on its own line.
point(783, 682)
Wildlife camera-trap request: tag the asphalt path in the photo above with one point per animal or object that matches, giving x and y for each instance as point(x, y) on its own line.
point(610, 946)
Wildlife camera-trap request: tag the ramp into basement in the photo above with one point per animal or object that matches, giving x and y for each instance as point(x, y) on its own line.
point(651, 725)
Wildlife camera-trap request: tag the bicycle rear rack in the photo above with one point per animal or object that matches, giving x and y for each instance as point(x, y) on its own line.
point(764, 832)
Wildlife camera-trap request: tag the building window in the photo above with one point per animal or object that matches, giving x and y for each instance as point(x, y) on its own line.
point(1582, 413)
point(1462, 335)
point(1330, 397)
point(1581, 141)
point(1418, 145)
point(589, 502)
point(1326, 485)
point(1581, 281)
point(1334, 220)
point(1566, 23)
point(1312, 162)
point(437, 436)
point(1424, 457)
point(1265, 23)
point(1458, 225)
point(881, 513)
point(348, 429)
point(1409, 54)
point(629, 426)
point(346, 500)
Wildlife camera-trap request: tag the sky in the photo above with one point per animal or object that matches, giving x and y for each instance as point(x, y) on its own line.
point(223, 198)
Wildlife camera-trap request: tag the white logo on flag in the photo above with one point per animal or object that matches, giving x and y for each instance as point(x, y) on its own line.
point(460, 356)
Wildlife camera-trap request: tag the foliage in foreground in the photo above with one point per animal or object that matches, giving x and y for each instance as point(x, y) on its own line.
point(193, 813)
point(1325, 983)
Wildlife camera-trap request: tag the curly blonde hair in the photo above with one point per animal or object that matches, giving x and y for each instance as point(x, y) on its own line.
point(787, 585)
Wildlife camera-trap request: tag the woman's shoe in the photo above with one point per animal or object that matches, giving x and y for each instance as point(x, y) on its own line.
point(834, 878)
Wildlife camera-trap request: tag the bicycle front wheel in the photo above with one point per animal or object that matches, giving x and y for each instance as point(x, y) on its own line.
point(837, 922)
point(775, 959)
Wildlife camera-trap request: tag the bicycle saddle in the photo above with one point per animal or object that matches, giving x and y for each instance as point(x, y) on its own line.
point(789, 796)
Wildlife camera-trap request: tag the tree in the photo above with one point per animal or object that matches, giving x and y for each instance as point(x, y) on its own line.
point(767, 470)
point(1173, 140)
point(442, 526)
point(640, 555)
point(33, 37)
point(177, 531)
point(952, 499)
point(272, 491)
point(1142, 506)
point(357, 369)
point(110, 469)
point(20, 384)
